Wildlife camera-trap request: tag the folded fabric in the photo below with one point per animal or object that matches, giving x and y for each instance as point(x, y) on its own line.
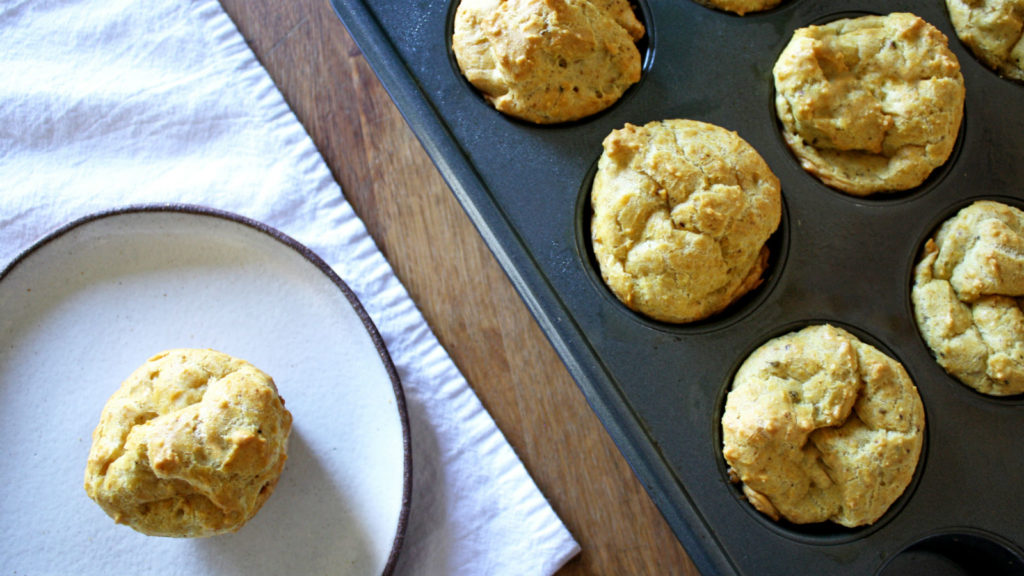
point(116, 102)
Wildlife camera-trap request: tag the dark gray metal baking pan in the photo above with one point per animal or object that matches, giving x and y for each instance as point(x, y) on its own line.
point(659, 388)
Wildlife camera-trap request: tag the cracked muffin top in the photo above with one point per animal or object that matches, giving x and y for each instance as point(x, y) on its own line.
point(681, 213)
point(968, 294)
point(819, 426)
point(191, 444)
point(870, 104)
point(994, 31)
point(548, 61)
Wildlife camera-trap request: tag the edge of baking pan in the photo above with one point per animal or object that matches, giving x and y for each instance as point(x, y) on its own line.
point(544, 304)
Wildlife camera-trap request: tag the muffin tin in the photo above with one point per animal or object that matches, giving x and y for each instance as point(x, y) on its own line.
point(658, 388)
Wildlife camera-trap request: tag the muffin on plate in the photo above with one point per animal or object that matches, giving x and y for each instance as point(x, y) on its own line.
point(682, 211)
point(967, 296)
point(819, 426)
point(870, 104)
point(548, 61)
point(192, 444)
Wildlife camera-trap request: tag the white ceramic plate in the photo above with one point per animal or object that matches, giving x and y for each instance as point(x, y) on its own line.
point(89, 303)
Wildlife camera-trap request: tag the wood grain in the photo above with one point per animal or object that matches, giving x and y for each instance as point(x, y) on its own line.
point(463, 293)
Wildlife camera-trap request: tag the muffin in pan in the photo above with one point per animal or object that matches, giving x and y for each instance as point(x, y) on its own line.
point(548, 61)
point(740, 7)
point(968, 293)
point(870, 104)
point(994, 32)
point(192, 444)
point(682, 211)
point(819, 426)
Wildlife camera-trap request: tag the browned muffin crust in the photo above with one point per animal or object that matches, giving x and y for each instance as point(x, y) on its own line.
point(819, 426)
point(548, 61)
point(192, 444)
point(682, 212)
point(870, 104)
point(968, 295)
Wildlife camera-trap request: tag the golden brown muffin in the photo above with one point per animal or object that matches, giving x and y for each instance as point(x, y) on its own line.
point(821, 427)
point(740, 7)
point(967, 296)
point(548, 61)
point(622, 12)
point(681, 213)
point(191, 445)
point(870, 104)
point(994, 32)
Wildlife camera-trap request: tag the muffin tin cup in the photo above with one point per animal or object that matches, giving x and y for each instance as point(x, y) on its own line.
point(659, 388)
point(820, 533)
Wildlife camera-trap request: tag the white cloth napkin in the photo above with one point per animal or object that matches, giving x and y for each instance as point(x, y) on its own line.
point(105, 103)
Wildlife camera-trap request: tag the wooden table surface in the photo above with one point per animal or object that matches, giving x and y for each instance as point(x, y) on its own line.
point(456, 282)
